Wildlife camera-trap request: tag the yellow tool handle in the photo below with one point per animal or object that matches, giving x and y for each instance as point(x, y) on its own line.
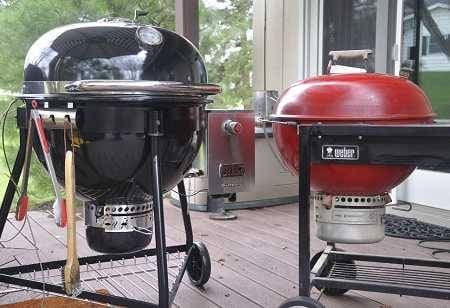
point(70, 204)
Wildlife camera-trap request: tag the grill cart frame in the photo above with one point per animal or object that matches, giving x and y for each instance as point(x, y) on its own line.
point(15, 275)
point(426, 145)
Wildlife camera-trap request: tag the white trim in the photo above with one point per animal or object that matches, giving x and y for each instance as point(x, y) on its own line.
point(310, 54)
point(287, 42)
point(320, 45)
point(259, 24)
point(381, 36)
point(302, 39)
point(427, 188)
point(398, 38)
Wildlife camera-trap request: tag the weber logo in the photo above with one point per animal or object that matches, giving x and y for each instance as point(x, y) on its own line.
point(340, 152)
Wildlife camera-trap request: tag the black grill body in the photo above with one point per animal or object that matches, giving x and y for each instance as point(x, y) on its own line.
point(125, 83)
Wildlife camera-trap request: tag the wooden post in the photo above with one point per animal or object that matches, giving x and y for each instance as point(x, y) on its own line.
point(186, 20)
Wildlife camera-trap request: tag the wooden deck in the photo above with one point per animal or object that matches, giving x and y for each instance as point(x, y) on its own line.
point(254, 260)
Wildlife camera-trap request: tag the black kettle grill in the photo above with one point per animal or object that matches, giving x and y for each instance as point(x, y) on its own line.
point(130, 99)
point(119, 83)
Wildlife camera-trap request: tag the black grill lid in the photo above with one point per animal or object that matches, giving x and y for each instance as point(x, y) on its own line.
point(114, 58)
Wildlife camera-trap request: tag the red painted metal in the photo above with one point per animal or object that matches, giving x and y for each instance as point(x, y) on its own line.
point(349, 98)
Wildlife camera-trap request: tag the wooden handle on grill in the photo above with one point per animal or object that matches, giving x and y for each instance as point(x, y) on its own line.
point(72, 268)
point(70, 202)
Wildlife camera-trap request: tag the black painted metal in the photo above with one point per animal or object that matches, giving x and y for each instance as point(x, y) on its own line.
point(426, 145)
point(161, 251)
point(121, 139)
point(7, 274)
point(114, 147)
point(28, 268)
point(382, 287)
point(111, 129)
point(303, 212)
point(185, 213)
point(341, 256)
point(56, 289)
point(14, 180)
point(160, 235)
point(418, 7)
point(377, 141)
point(177, 282)
point(112, 50)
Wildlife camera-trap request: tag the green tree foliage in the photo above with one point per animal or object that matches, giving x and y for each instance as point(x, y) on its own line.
point(225, 43)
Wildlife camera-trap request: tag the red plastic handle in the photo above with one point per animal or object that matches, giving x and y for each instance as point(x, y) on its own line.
point(41, 132)
point(22, 208)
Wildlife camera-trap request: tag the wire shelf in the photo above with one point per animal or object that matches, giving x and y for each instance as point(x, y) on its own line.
point(400, 276)
point(134, 278)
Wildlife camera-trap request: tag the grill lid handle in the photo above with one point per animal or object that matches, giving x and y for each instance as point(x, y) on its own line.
point(142, 86)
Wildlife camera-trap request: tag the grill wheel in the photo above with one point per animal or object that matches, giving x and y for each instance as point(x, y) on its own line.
point(199, 265)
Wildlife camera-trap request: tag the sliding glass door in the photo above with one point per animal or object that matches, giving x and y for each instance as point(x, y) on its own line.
point(426, 50)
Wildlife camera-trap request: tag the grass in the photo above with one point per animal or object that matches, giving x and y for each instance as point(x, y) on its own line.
point(437, 87)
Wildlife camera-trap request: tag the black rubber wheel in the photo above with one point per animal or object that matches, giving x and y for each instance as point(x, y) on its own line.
point(333, 291)
point(199, 265)
point(301, 301)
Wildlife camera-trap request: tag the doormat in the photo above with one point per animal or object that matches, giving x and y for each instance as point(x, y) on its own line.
point(411, 228)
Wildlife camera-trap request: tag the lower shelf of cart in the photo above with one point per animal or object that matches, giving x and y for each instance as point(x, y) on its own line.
point(413, 277)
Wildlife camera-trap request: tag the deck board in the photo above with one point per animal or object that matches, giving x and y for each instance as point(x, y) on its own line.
point(254, 259)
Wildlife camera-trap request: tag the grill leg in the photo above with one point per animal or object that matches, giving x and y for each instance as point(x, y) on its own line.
point(185, 213)
point(163, 281)
point(303, 212)
point(304, 272)
point(14, 180)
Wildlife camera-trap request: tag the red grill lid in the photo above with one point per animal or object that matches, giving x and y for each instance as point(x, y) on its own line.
point(349, 98)
point(354, 97)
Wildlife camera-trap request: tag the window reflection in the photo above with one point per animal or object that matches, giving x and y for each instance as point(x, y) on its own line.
point(128, 67)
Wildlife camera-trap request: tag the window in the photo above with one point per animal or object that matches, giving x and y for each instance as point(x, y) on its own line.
point(349, 24)
point(425, 45)
point(434, 66)
point(432, 45)
point(435, 45)
point(431, 67)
